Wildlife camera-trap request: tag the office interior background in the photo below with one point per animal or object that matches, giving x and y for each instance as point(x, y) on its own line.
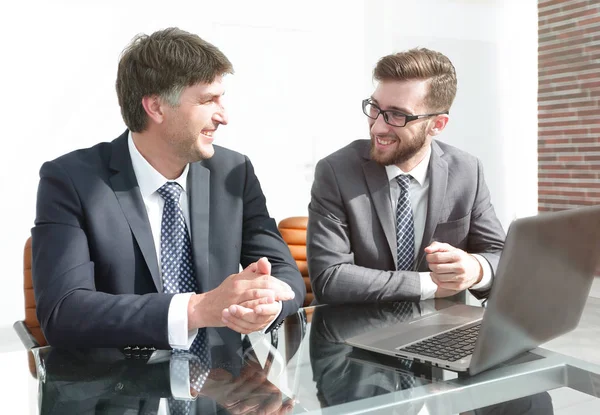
point(527, 103)
point(302, 70)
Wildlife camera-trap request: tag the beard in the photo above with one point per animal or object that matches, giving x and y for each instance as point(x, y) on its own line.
point(405, 150)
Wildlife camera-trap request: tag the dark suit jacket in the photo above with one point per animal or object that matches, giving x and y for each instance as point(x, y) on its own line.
point(351, 235)
point(95, 272)
point(105, 381)
point(101, 381)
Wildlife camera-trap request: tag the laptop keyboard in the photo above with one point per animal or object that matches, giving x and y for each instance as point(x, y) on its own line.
point(450, 346)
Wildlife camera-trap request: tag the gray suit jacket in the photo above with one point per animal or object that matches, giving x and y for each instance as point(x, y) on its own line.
point(95, 273)
point(351, 242)
point(338, 377)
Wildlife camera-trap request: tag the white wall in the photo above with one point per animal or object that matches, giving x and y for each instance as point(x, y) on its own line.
point(493, 45)
point(301, 72)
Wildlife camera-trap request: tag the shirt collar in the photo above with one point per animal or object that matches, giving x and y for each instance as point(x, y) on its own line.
point(149, 180)
point(419, 173)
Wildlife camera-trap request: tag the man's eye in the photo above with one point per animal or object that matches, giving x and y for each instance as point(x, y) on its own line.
point(209, 101)
point(397, 115)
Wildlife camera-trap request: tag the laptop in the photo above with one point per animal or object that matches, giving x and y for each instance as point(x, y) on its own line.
point(543, 279)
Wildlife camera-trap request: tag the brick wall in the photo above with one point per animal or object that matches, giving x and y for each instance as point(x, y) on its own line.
point(568, 103)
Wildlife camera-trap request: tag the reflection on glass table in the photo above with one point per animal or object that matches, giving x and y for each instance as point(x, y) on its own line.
point(307, 368)
point(147, 382)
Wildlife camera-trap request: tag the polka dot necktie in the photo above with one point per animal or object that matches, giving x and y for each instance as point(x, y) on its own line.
point(175, 247)
point(405, 231)
point(403, 310)
point(178, 277)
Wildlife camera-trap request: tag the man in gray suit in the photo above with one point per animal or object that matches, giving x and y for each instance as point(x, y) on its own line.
point(402, 216)
point(139, 241)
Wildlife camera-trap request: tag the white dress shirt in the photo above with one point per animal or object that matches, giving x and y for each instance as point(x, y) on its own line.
point(418, 193)
point(149, 181)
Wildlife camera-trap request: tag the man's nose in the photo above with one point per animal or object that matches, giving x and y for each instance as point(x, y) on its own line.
point(221, 116)
point(379, 126)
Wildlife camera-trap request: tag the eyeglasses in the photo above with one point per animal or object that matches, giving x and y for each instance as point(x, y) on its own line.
point(392, 117)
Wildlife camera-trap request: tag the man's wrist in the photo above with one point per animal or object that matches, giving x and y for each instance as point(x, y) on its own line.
point(485, 281)
point(198, 312)
point(275, 317)
point(480, 275)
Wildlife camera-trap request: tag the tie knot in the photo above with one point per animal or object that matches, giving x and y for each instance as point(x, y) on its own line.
point(403, 181)
point(170, 191)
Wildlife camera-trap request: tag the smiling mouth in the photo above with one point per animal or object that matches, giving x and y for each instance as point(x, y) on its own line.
point(383, 142)
point(207, 133)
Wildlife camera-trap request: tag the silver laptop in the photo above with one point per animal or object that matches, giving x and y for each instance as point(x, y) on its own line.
point(542, 283)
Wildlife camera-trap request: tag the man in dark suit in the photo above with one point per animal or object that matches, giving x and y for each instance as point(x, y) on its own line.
point(139, 241)
point(402, 216)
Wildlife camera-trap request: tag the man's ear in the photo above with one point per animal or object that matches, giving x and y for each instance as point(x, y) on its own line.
point(438, 124)
point(153, 107)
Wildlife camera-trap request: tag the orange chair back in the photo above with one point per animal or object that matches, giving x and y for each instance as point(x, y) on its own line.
point(293, 231)
point(31, 320)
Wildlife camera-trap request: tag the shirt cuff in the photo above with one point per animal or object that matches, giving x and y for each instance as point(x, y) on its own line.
point(179, 335)
point(263, 331)
point(486, 279)
point(428, 287)
point(180, 384)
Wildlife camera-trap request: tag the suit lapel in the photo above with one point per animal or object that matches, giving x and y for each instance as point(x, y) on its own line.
point(379, 187)
point(438, 174)
point(128, 194)
point(199, 186)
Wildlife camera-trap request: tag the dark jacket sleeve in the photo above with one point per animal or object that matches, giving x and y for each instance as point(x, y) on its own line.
point(261, 238)
point(334, 274)
point(70, 310)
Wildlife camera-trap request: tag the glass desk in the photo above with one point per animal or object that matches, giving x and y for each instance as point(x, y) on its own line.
point(306, 368)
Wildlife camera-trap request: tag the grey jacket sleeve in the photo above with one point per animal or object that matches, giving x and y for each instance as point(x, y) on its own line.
point(486, 235)
point(334, 275)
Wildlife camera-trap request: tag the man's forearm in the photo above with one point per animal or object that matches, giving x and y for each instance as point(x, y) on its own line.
point(352, 283)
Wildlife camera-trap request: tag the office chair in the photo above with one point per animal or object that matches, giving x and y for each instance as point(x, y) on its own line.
point(29, 330)
point(293, 231)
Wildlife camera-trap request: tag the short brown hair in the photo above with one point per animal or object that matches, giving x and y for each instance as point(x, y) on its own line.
point(421, 63)
point(163, 64)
